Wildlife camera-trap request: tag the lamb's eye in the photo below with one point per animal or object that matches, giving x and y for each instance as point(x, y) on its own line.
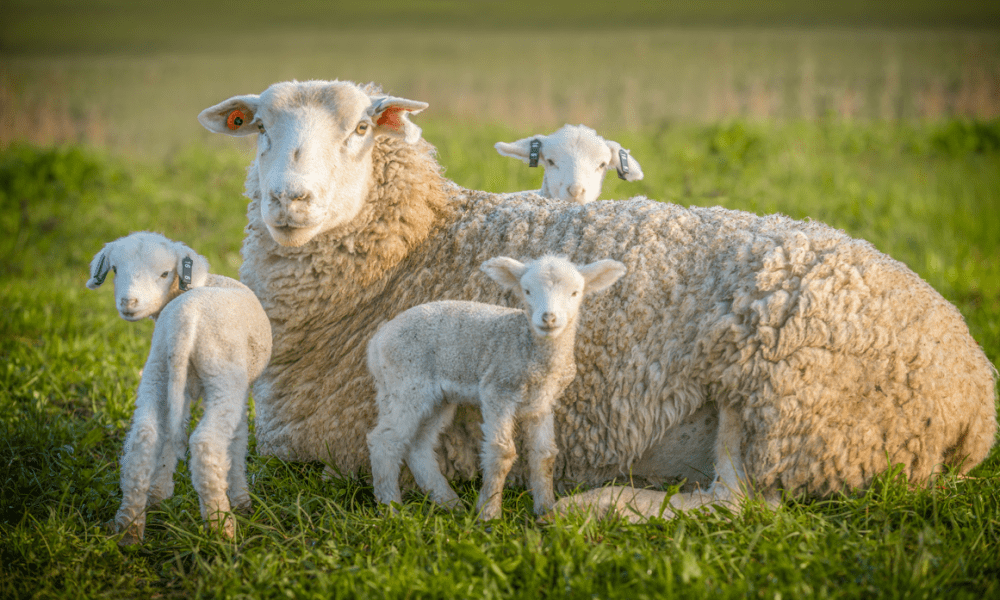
point(551, 162)
point(575, 294)
point(114, 270)
point(527, 292)
point(603, 165)
point(361, 128)
point(164, 274)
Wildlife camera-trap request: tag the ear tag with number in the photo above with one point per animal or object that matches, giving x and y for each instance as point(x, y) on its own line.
point(623, 161)
point(186, 264)
point(235, 120)
point(102, 273)
point(536, 145)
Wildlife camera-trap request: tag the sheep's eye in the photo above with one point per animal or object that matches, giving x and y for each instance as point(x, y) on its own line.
point(527, 292)
point(361, 128)
point(575, 293)
point(114, 270)
point(164, 274)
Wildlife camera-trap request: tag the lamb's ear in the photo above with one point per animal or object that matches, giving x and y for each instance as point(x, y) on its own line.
point(505, 271)
point(236, 116)
point(192, 268)
point(522, 149)
point(627, 166)
point(391, 117)
point(601, 274)
point(99, 267)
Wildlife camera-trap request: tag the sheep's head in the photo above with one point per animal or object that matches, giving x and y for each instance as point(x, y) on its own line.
point(575, 159)
point(314, 149)
point(552, 288)
point(149, 271)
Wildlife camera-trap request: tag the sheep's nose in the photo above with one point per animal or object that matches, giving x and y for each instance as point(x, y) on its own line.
point(129, 302)
point(549, 319)
point(287, 197)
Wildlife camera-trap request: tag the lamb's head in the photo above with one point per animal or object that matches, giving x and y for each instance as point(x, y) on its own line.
point(314, 149)
point(575, 159)
point(552, 288)
point(150, 271)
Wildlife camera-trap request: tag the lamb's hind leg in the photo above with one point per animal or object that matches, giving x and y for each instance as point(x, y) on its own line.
point(239, 494)
point(638, 505)
point(143, 446)
point(390, 440)
point(210, 445)
point(422, 457)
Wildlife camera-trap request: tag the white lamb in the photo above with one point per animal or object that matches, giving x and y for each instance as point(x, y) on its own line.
point(212, 338)
point(512, 363)
point(575, 160)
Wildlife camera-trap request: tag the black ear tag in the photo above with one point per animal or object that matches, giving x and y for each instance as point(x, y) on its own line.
point(623, 161)
point(186, 264)
point(536, 145)
point(102, 273)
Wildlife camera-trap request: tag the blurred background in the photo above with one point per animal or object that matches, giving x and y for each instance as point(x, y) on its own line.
point(131, 76)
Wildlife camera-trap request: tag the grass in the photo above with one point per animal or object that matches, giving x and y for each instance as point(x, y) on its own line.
point(928, 195)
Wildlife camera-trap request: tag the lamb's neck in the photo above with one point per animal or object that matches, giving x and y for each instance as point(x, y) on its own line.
point(556, 350)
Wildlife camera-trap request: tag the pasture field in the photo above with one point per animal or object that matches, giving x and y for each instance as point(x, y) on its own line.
point(928, 195)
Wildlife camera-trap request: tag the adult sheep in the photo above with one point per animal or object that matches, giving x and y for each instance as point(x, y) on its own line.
point(739, 352)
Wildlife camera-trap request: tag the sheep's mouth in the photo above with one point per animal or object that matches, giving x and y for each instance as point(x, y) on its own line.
point(292, 235)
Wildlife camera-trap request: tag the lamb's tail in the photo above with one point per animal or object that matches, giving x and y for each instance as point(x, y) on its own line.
point(177, 370)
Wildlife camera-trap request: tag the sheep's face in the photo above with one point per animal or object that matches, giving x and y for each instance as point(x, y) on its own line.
point(552, 288)
point(575, 159)
point(146, 267)
point(314, 150)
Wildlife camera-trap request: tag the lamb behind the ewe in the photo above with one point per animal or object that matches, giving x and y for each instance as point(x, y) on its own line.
point(212, 338)
point(575, 159)
point(513, 364)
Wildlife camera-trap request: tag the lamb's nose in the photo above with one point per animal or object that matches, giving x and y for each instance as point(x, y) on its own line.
point(576, 190)
point(549, 319)
point(129, 302)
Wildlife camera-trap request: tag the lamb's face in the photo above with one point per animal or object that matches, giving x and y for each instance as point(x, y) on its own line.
point(575, 160)
point(552, 290)
point(144, 275)
point(314, 150)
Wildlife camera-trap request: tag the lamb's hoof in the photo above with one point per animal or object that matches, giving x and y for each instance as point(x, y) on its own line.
point(245, 509)
point(451, 504)
point(131, 534)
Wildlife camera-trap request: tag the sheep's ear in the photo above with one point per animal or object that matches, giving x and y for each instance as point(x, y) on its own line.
point(236, 116)
point(601, 274)
point(505, 271)
point(99, 267)
point(391, 116)
point(627, 166)
point(522, 149)
point(192, 268)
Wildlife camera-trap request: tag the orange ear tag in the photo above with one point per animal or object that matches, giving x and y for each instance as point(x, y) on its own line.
point(235, 120)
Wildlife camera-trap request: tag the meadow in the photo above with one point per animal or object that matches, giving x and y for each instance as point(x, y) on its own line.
point(889, 133)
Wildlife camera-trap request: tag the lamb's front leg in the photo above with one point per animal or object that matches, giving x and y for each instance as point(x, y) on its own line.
point(542, 451)
point(498, 454)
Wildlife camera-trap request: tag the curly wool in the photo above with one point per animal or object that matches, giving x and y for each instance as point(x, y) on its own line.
point(839, 359)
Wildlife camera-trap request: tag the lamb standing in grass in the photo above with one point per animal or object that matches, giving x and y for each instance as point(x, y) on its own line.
point(513, 364)
point(575, 159)
point(211, 337)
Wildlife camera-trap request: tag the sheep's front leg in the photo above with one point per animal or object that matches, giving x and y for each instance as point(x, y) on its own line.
point(210, 444)
point(239, 494)
point(542, 453)
point(422, 458)
point(143, 445)
point(498, 453)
